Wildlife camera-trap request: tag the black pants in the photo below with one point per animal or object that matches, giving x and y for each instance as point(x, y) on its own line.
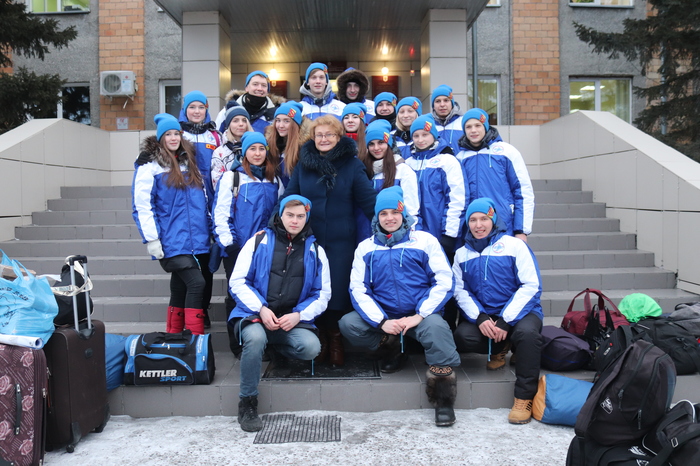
point(526, 340)
point(186, 288)
point(230, 303)
point(208, 281)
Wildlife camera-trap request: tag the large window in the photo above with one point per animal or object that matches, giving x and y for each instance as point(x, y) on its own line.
point(76, 103)
point(612, 3)
point(170, 97)
point(488, 98)
point(55, 6)
point(607, 95)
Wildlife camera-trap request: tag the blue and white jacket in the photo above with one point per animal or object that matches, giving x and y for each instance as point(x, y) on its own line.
point(251, 276)
point(204, 143)
point(178, 217)
point(410, 277)
point(498, 171)
point(441, 190)
point(313, 108)
point(407, 179)
point(450, 129)
point(503, 280)
point(238, 216)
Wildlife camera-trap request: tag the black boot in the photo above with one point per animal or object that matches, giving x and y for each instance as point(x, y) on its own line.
point(392, 359)
point(248, 414)
point(441, 388)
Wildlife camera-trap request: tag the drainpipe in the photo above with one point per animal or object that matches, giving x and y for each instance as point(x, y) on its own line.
point(475, 72)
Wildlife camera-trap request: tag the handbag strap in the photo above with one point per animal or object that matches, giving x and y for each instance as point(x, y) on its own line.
point(662, 457)
point(158, 338)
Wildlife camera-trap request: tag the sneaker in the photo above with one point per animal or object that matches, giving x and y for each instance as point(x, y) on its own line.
point(498, 361)
point(248, 414)
point(521, 413)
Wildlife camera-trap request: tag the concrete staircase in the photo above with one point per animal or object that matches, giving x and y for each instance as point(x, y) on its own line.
point(576, 246)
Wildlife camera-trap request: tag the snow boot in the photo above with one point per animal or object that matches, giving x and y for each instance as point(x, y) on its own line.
point(336, 350)
point(441, 388)
point(194, 320)
point(521, 413)
point(248, 414)
point(176, 319)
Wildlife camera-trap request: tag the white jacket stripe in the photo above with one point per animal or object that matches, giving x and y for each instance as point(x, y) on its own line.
point(316, 308)
point(359, 292)
point(144, 179)
point(437, 261)
point(530, 284)
point(526, 190)
point(237, 284)
point(222, 209)
point(455, 205)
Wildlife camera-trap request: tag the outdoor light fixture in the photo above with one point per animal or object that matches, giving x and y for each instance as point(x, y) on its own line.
point(385, 74)
point(274, 76)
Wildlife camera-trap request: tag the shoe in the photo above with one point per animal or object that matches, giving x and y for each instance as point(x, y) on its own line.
point(392, 359)
point(498, 361)
point(176, 320)
point(322, 357)
point(194, 320)
point(393, 364)
point(336, 350)
point(512, 359)
point(248, 414)
point(441, 388)
point(521, 413)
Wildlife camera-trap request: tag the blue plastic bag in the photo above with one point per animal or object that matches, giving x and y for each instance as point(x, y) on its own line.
point(27, 304)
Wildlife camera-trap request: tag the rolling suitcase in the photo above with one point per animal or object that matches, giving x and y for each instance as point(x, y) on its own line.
point(23, 382)
point(77, 400)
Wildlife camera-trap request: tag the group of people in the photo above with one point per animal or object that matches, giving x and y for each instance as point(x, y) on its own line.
point(339, 218)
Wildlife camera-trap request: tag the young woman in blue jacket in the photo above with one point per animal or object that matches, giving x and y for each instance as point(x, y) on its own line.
point(284, 138)
point(170, 211)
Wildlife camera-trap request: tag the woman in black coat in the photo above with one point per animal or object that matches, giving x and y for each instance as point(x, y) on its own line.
point(333, 178)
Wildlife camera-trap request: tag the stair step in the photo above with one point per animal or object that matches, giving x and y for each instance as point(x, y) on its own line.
point(99, 265)
point(567, 197)
point(146, 309)
point(574, 225)
point(556, 185)
point(64, 248)
point(562, 210)
point(630, 278)
point(555, 303)
point(107, 203)
point(83, 217)
point(552, 260)
point(88, 232)
point(584, 241)
point(77, 192)
point(139, 285)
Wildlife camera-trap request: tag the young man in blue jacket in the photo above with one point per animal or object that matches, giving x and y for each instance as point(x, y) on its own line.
point(498, 290)
point(399, 284)
point(281, 283)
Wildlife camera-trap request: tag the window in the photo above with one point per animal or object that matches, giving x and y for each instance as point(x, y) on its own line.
point(55, 6)
point(170, 97)
point(489, 99)
point(76, 104)
point(607, 95)
point(493, 3)
point(611, 3)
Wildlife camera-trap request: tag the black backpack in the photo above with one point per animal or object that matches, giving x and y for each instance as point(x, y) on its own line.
point(613, 347)
point(680, 344)
point(586, 452)
point(629, 397)
point(676, 438)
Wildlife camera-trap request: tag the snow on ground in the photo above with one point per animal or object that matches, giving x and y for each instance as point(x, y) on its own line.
point(480, 437)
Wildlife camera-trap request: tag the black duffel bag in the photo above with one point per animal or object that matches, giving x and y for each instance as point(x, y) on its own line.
point(64, 291)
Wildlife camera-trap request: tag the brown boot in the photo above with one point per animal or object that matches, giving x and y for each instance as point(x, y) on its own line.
point(336, 351)
point(322, 357)
point(176, 319)
point(498, 361)
point(521, 413)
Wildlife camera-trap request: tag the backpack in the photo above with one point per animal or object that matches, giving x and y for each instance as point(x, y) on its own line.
point(687, 315)
point(586, 452)
point(613, 347)
point(674, 340)
point(629, 397)
point(676, 438)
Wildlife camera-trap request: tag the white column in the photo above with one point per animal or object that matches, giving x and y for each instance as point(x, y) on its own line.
point(444, 54)
point(206, 56)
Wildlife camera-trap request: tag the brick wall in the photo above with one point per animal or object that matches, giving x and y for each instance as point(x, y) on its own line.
point(536, 61)
point(122, 48)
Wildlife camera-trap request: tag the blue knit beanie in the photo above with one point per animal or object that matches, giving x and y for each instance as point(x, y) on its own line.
point(258, 73)
point(164, 123)
point(484, 205)
point(412, 102)
point(305, 201)
point(442, 89)
point(390, 198)
point(354, 108)
point(252, 137)
point(194, 96)
point(316, 66)
point(385, 97)
point(292, 110)
point(477, 114)
point(379, 130)
point(425, 122)
point(233, 112)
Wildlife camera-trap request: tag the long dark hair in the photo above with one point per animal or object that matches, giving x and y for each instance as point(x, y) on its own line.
point(291, 149)
point(388, 166)
point(185, 152)
point(270, 165)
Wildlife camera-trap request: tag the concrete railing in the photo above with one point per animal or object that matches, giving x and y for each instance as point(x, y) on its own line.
point(653, 189)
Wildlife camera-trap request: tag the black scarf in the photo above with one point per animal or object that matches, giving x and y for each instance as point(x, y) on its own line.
point(312, 160)
point(254, 104)
point(197, 128)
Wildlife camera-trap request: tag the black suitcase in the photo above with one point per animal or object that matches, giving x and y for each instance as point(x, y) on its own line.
point(23, 382)
point(77, 401)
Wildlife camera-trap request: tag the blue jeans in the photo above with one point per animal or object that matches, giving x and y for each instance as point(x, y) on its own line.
point(432, 333)
point(298, 343)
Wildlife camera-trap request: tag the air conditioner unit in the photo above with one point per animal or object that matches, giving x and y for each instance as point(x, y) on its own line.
point(116, 83)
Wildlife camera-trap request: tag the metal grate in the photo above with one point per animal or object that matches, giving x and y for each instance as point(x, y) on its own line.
point(288, 428)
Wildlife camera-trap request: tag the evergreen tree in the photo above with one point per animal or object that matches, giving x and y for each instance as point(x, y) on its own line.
point(25, 94)
point(666, 42)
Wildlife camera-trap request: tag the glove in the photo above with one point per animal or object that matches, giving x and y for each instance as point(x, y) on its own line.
point(155, 249)
point(232, 250)
point(448, 244)
point(144, 158)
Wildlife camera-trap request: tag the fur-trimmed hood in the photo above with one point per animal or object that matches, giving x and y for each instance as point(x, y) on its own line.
point(151, 146)
point(356, 76)
point(235, 94)
point(326, 165)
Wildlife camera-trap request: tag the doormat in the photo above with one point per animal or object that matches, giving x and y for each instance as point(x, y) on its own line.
point(356, 367)
point(288, 428)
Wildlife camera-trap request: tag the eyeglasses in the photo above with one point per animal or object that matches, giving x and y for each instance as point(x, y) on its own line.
point(325, 136)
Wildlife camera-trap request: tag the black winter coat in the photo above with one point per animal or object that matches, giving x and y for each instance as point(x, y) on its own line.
point(335, 184)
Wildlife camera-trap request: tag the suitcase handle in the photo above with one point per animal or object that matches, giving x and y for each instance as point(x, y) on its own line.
point(18, 408)
point(70, 260)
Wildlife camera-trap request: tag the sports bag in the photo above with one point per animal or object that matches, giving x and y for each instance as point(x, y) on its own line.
point(577, 322)
point(562, 351)
point(676, 438)
point(160, 358)
point(586, 452)
point(629, 397)
point(674, 340)
point(559, 399)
